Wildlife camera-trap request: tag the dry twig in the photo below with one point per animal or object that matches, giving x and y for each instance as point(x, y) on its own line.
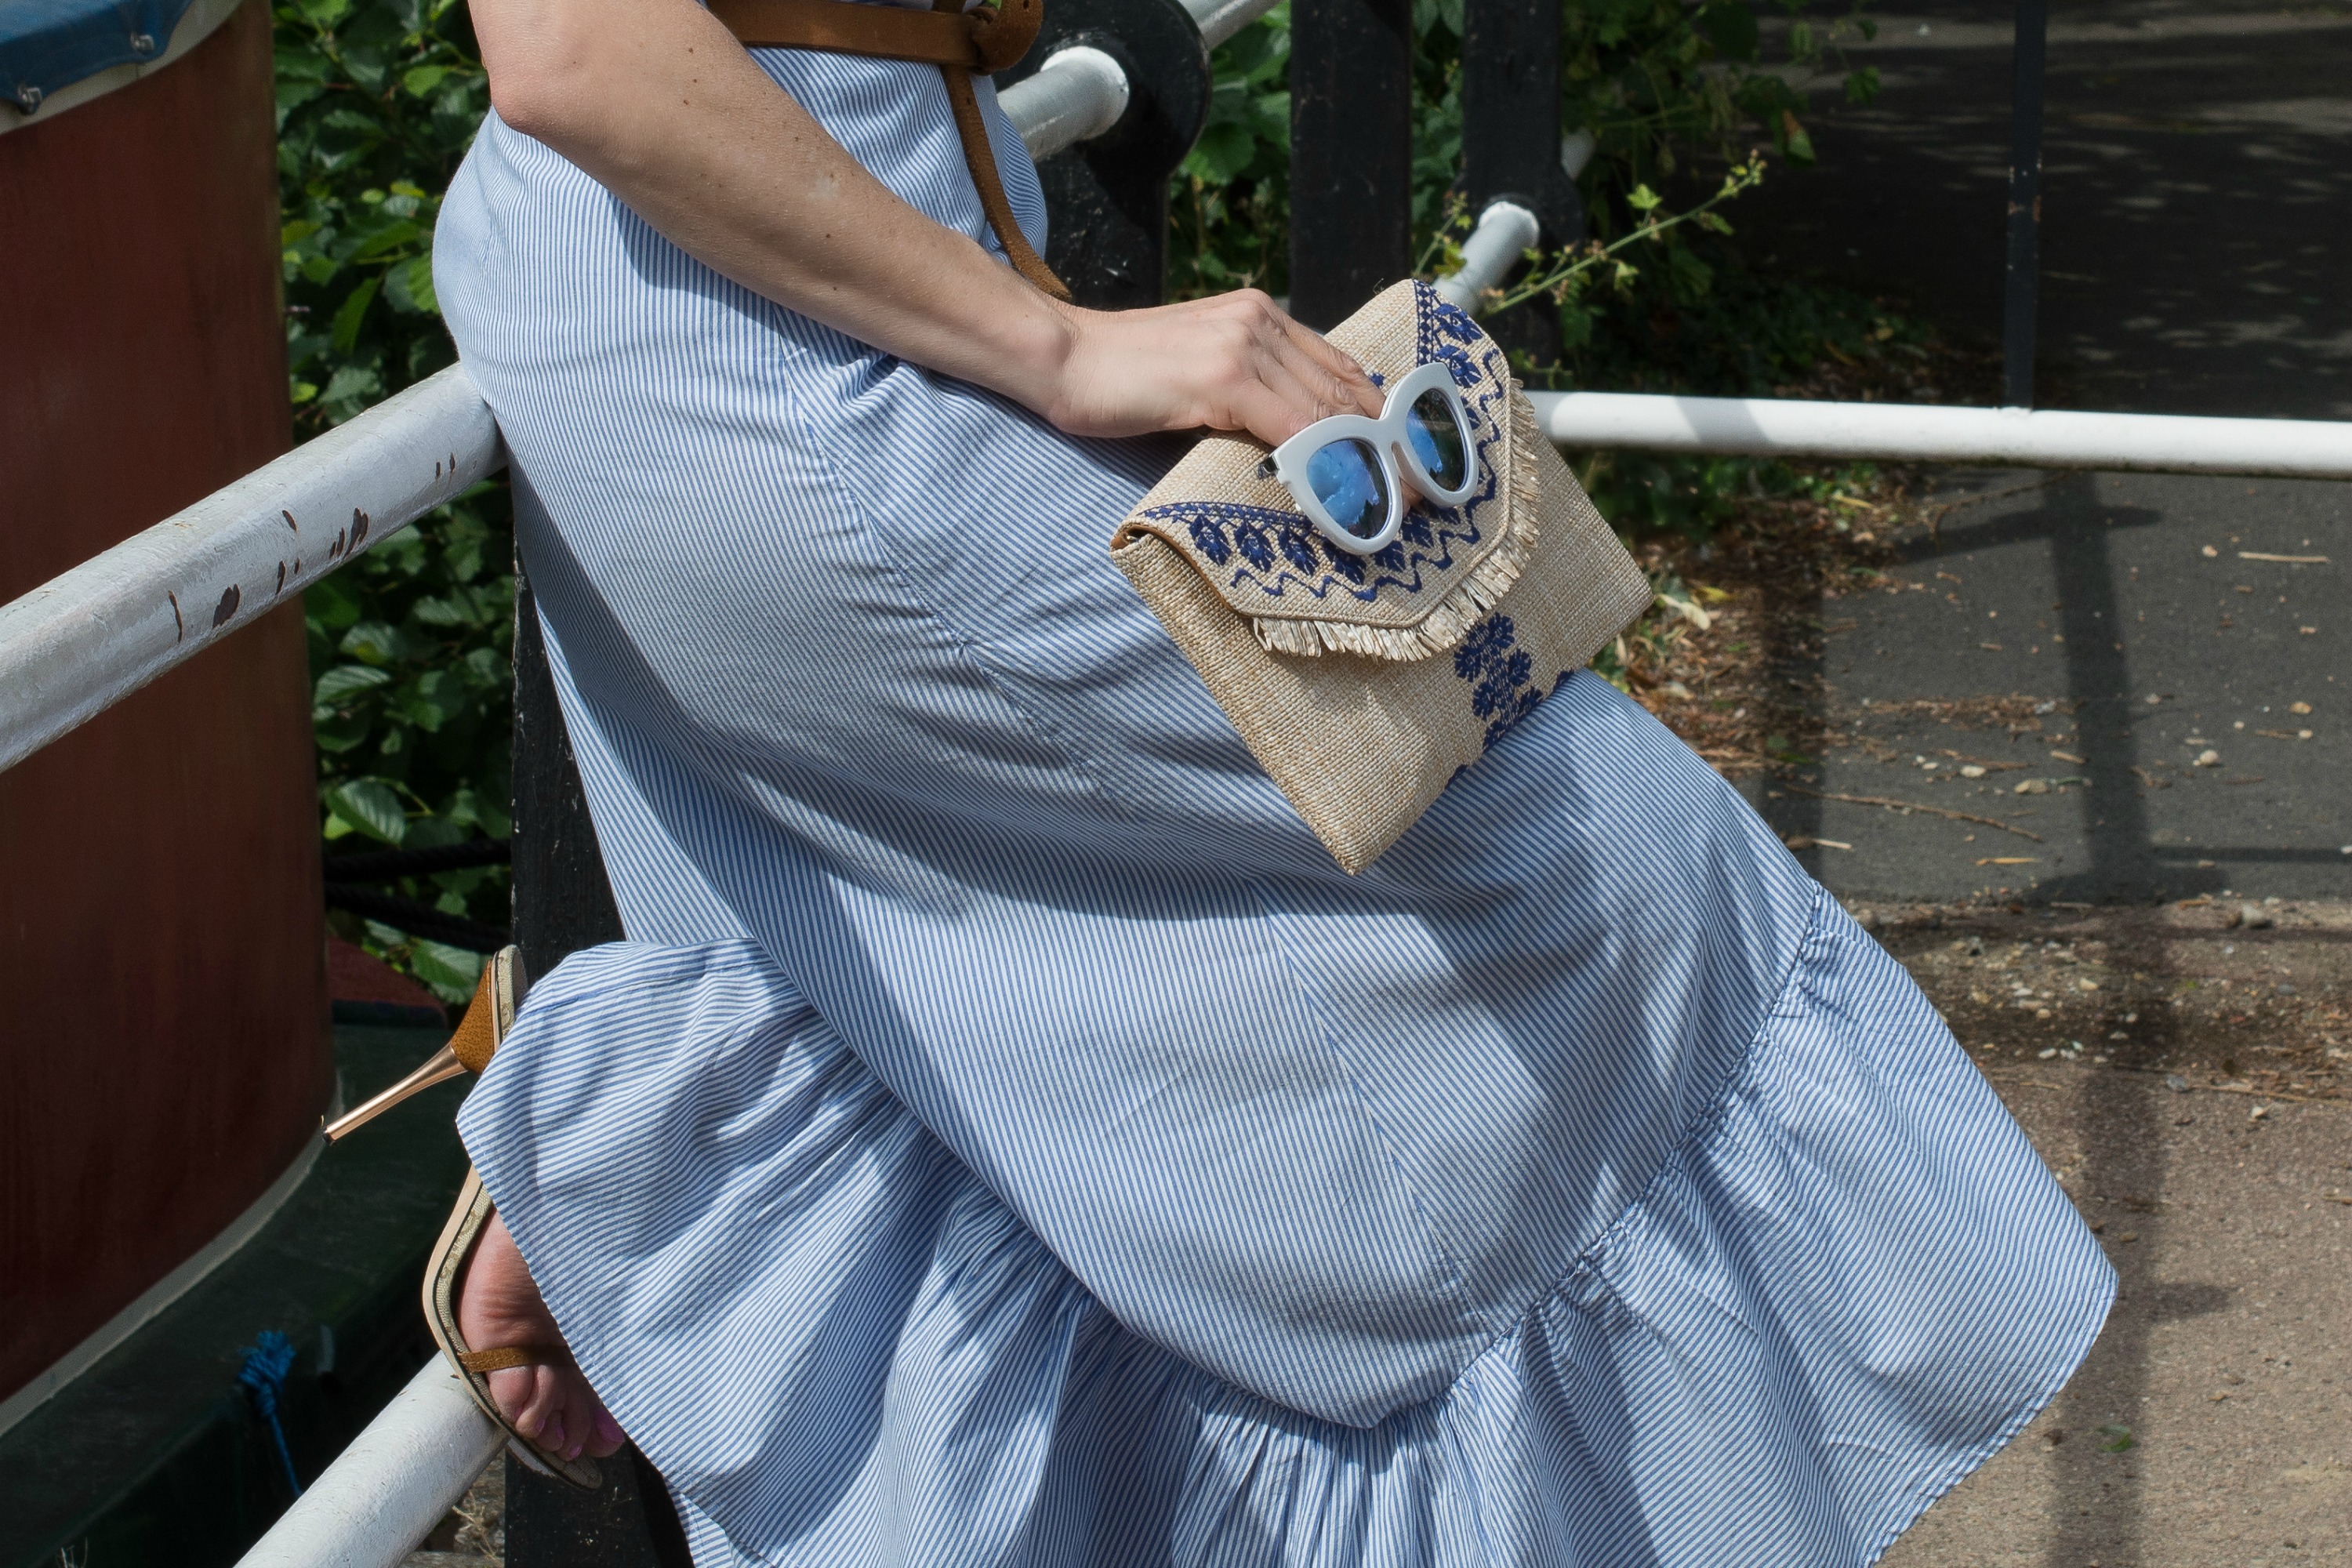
point(1881, 800)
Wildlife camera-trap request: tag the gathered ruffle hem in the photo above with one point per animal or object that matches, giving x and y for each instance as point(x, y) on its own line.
point(1847, 1284)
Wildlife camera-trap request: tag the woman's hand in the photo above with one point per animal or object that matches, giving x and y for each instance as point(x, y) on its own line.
point(1238, 362)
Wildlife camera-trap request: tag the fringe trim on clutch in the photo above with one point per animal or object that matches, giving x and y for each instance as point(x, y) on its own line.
point(1442, 629)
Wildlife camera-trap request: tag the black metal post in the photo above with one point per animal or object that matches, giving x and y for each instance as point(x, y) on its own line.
point(1350, 153)
point(563, 904)
point(1510, 141)
point(1108, 199)
point(2024, 272)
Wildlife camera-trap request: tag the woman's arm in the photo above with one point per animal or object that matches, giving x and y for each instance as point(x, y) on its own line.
point(657, 101)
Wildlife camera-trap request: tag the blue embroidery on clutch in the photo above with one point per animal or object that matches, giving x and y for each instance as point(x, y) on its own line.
point(1209, 541)
point(1500, 672)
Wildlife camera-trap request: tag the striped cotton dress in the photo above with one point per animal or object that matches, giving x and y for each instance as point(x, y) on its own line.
point(1007, 1138)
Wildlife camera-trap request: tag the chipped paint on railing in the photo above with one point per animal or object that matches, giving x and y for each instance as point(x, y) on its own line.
point(85, 639)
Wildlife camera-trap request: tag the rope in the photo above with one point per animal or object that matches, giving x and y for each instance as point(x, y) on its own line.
point(263, 1378)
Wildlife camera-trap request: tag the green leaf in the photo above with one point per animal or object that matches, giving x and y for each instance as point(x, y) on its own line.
point(409, 287)
point(1792, 137)
point(345, 681)
point(353, 383)
point(1222, 152)
point(478, 810)
point(435, 610)
point(420, 80)
point(353, 311)
point(331, 604)
point(451, 972)
point(2119, 1437)
point(371, 807)
point(352, 120)
point(338, 732)
point(378, 642)
point(389, 236)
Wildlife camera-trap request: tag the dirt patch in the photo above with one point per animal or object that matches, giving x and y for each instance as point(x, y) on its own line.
point(2217, 996)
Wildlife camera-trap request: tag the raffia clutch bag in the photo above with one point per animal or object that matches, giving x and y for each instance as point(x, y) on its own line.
point(1363, 684)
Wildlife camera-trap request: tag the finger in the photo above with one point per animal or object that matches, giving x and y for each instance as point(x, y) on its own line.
point(1333, 380)
point(1355, 391)
point(1274, 406)
point(1332, 393)
point(609, 1435)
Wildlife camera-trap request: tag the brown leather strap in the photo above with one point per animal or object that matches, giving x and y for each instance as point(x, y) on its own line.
point(1004, 30)
point(958, 42)
point(504, 1356)
point(883, 32)
point(982, 159)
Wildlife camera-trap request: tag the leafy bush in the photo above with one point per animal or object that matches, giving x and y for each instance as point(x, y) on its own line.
point(1654, 82)
point(377, 102)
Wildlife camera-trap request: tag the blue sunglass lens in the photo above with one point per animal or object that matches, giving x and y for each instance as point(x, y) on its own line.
point(1346, 477)
point(1436, 439)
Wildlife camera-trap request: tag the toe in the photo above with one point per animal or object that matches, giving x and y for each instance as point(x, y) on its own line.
point(528, 1396)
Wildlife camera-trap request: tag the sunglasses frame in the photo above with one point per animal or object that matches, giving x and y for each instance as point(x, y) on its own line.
point(1388, 440)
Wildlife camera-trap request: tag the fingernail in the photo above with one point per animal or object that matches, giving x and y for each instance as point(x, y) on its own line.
point(608, 1429)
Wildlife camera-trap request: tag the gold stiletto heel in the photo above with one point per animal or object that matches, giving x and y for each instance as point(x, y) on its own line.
point(488, 1017)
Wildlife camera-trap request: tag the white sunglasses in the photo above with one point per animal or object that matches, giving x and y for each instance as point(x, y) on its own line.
point(1343, 470)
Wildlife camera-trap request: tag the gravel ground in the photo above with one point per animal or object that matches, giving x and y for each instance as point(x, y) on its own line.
point(2181, 1070)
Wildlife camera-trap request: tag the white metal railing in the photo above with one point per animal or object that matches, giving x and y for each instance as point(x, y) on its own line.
point(1079, 94)
point(83, 641)
point(2019, 438)
point(1506, 231)
point(393, 1485)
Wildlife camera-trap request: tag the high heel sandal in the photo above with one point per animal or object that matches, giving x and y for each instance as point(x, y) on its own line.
point(476, 1039)
point(443, 1272)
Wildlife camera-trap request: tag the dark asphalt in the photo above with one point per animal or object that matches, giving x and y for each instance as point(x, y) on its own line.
point(2198, 209)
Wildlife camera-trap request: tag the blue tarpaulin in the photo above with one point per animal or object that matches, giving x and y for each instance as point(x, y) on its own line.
point(49, 43)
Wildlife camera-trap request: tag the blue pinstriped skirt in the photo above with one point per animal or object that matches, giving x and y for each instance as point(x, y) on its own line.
point(1006, 1137)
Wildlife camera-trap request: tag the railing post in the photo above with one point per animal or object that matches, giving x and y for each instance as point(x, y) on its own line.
point(563, 904)
point(1109, 196)
point(1511, 142)
point(2023, 274)
point(1350, 153)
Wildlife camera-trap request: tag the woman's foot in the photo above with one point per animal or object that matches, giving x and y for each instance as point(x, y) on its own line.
point(499, 1304)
